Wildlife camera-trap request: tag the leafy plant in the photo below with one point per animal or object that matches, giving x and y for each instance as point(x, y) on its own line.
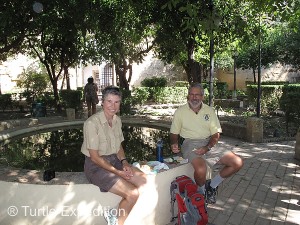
point(5, 101)
point(71, 99)
point(154, 82)
point(33, 83)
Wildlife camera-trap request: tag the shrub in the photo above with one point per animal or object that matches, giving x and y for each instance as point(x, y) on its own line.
point(290, 103)
point(270, 95)
point(5, 101)
point(125, 108)
point(140, 95)
point(154, 82)
point(181, 84)
point(71, 99)
point(47, 98)
point(220, 90)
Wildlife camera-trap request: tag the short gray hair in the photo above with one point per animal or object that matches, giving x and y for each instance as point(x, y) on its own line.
point(113, 90)
point(197, 85)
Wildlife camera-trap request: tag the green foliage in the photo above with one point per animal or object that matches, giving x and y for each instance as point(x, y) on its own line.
point(181, 84)
point(122, 33)
point(270, 95)
point(154, 82)
point(71, 99)
point(220, 90)
point(47, 98)
point(16, 17)
point(126, 102)
point(33, 83)
point(288, 50)
point(160, 94)
point(290, 103)
point(5, 101)
point(154, 85)
point(140, 95)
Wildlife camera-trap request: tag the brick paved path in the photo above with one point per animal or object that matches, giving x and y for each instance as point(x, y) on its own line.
point(266, 191)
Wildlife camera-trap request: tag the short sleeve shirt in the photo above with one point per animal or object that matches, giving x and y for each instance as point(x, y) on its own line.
point(98, 135)
point(188, 124)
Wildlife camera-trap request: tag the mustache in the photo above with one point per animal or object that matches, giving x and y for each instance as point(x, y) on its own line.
point(195, 103)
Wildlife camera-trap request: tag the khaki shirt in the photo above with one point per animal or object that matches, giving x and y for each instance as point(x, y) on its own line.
point(190, 125)
point(98, 135)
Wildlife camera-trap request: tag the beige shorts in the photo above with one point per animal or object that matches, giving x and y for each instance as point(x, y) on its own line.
point(212, 157)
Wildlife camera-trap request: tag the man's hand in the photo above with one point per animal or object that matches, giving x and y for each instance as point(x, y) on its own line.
point(175, 148)
point(201, 151)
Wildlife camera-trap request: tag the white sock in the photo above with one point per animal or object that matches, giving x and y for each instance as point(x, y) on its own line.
point(216, 181)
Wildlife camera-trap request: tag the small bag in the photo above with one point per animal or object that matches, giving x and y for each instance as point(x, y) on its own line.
point(48, 175)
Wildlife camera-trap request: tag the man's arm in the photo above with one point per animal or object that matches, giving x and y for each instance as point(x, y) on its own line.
point(174, 143)
point(213, 140)
point(173, 139)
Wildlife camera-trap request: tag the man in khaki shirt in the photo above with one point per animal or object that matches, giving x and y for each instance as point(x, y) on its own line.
point(199, 126)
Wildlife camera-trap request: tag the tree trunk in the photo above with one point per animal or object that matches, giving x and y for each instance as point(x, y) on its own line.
point(66, 75)
point(56, 95)
point(54, 78)
point(254, 77)
point(121, 71)
point(193, 68)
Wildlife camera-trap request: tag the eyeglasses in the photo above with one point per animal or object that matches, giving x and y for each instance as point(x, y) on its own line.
point(195, 95)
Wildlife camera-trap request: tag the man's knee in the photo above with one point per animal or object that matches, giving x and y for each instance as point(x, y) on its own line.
point(199, 166)
point(238, 162)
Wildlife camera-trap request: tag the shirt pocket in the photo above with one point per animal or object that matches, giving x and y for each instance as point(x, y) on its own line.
point(103, 144)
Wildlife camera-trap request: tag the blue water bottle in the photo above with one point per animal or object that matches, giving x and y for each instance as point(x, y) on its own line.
point(159, 151)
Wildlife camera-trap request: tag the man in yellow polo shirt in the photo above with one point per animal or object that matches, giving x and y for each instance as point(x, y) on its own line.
point(199, 126)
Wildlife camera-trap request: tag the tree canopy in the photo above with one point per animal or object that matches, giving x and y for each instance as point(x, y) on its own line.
point(64, 33)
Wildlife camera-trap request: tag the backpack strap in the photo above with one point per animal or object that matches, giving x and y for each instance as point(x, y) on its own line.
point(177, 194)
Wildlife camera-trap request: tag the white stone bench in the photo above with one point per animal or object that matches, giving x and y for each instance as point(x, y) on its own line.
point(84, 203)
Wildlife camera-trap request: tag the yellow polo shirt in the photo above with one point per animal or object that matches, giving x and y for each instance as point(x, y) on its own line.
point(188, 124)
point(98, 135)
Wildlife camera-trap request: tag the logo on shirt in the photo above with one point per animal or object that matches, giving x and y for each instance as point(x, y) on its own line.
point(206, 117)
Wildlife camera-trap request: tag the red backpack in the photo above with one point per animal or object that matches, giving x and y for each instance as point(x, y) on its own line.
point(191, 206)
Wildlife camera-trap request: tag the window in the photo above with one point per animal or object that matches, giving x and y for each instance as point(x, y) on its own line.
point(106, 77)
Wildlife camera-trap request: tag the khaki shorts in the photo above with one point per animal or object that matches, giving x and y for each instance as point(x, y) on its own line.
point(100, 177)
point(212, 157)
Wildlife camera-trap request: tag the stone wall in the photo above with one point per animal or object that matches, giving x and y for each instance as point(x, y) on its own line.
point(252, 132)
point(228, 103)
point(276, 72)
point(234, 130)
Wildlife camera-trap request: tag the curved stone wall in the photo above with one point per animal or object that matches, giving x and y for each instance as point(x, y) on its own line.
point(30, 204)
point(71, 203)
